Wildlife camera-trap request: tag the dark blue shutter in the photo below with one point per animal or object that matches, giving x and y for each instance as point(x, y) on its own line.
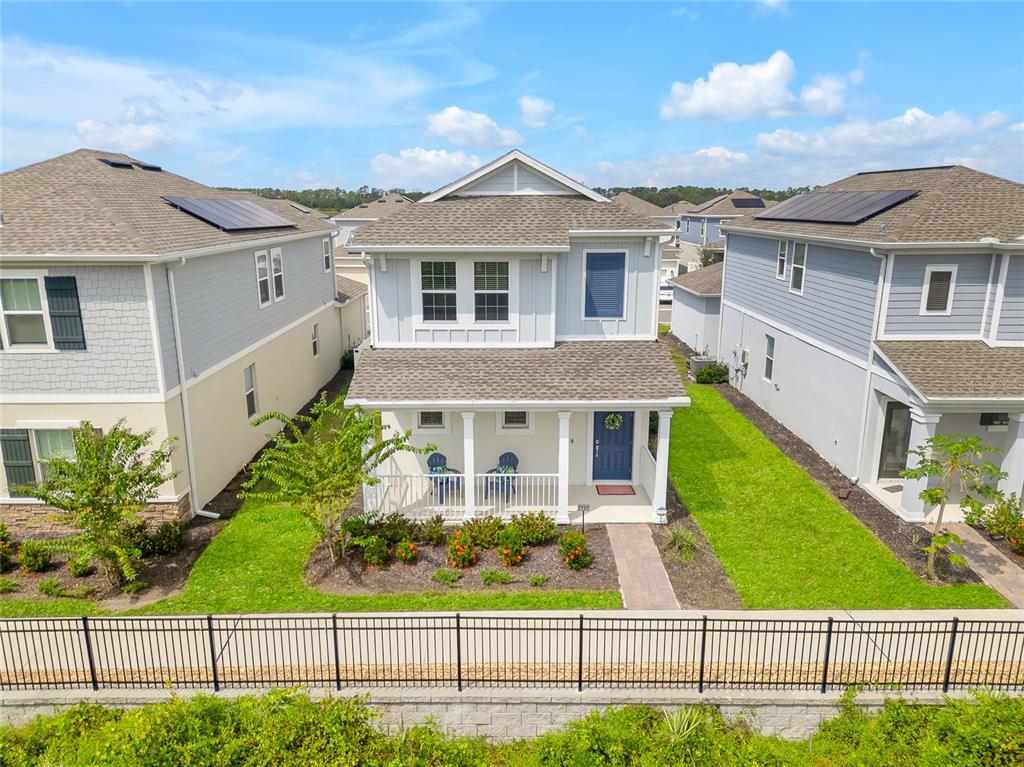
point(606, 284)
point(65, 313)
point(17, 455)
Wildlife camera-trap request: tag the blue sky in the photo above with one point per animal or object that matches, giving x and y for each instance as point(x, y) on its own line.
point(767, 94)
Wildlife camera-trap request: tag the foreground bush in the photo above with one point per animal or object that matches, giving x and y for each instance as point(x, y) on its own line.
point(289, 729)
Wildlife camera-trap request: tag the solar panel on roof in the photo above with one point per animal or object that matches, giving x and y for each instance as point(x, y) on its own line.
point(228, 214)
point(708, 204)
point(748, 202)
point(115, 163)
point(836, 207)
point(149, 166)
point(301, 208)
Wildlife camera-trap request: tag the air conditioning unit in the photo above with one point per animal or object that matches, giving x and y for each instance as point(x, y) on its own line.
point(692, 266)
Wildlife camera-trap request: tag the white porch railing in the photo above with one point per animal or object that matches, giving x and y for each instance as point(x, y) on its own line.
point(421, 496)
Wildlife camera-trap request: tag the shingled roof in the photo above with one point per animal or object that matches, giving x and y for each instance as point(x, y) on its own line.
point(390, 203)
point(639, 205)
point(723, 205)
point(499, 220)
point(571, 371)
point(76, 204)
point(348, 289)
point(954, 204)
point(706, 281)
point(678, 208)
point(958, 369)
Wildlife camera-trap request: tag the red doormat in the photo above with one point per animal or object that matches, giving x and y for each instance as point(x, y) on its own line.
point(615, 490)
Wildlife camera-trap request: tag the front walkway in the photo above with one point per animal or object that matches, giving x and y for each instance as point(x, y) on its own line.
point(994, 567)
point(642, 577)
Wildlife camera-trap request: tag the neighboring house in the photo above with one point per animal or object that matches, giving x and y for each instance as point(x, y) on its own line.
point(880, 310)
point(669, 259)
point(353, 301)
point(696, 305)
point(129, 292)
point(699, 226)
point(514, 326)
point(347, 265)
point(676, 211)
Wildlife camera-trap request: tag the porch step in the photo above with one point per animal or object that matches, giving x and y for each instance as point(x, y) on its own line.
point(642, 577)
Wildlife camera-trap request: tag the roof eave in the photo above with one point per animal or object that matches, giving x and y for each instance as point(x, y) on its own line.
point(683, 401)
point(975, 245)
point(457, 248)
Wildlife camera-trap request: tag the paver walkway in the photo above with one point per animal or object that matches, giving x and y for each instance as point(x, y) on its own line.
point(994, 567)
point(642, 577)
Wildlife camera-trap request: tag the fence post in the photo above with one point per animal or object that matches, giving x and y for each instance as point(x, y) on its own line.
point(949, 654)
point(579, 675)
point(828, 650)
point(213, 652)
point(458, 648)
point(337, 655)
point(88, 652)
point(703, 642)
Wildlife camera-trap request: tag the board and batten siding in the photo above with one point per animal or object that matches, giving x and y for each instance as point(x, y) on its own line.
point(838, 301)
point(509, 179)
point(642, 278)
point(1011, 315)
point(218, 304)
point(903, 311)
point(118, 357)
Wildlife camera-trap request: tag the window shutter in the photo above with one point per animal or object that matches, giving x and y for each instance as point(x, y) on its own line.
point(65, 313)
point(17, 455)
point(606, 282)
point(938, 291)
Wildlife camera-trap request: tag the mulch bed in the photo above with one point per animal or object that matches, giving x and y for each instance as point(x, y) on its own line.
point(353, 576)
point(904, 539)
point(1004, 547)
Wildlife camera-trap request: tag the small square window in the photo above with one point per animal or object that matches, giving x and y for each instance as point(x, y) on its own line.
point(431, 419)
point(515, 419)
point(995, 419)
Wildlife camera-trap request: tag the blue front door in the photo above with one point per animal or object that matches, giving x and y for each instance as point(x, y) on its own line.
point(613, 448)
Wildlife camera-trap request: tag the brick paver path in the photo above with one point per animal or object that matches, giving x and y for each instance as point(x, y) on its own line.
point(994, 567)
point(642, 577)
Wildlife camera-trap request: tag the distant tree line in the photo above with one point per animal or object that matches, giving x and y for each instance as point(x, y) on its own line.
point(669, 195)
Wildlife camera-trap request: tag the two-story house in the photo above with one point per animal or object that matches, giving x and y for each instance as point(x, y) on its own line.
point(514, 326)
point(347, 265)
point(700, 226)
point(127, 291)
point(880, 310)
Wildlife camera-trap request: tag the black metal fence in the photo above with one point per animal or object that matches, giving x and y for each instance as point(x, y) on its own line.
point(461, 651)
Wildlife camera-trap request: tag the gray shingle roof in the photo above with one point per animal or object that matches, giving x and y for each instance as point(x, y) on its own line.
point(75, 204)
point(348, 289)
point(509, 220)
point(678, 207)
point(723, 205)
point(955, 204)
point(638, 205)
point(958, 368)
point(604, 371)
point(390, 203)
point(706, 281)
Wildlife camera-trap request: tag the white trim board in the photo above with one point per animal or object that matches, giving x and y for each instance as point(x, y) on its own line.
point(671, 402)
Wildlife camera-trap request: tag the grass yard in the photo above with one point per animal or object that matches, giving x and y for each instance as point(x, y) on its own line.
point(785, 542)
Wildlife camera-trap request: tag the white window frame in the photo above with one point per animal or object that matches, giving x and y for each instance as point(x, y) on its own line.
point(430, 428)
point(703, 227)
point(418, 277)
point(782, 259)
point(255, 396)
point(625, 286)
point(507, 291)
point(793, 266)
point(39, 276)
point(328, 255)
point(316, 339)
point(274, 273)
point(769, 359)
point(503, 428)
point(37, 451)
point(270, 283)
point(923, 310)
point(687, 225)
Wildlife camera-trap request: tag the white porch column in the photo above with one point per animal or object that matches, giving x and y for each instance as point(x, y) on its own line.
point(563, 467)
point(1013, 459)
point(468, 464)
point(923, 427)
point(660, 499)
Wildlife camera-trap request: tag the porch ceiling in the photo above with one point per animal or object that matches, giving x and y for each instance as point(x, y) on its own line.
point(641, 372)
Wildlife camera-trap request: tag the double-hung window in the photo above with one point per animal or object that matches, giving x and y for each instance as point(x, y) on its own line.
point(703, 226)
point(796, 271)
point(21, 466)
point(490, 291)
point(24, 320)
point(937, 295)
point(249, 381)
point(277, 272)
point(263, 277)
point(53, 443)
point(780, 264)
point(327, 254)
point(437, 282)
point(605, 286)
point(316, 339)
point(769, 357)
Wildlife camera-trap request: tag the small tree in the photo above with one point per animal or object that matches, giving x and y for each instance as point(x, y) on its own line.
point(101, 490)
point(709, 256)
point(958, 462)
point(320, 472)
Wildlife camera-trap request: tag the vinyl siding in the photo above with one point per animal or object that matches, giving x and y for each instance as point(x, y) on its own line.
point(903, 315)
point(165, 326)
point(1011, 316)
point(503, 181)
point(837, 305)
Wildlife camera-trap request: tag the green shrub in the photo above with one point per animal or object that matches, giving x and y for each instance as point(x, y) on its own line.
point(80, 567)
point(36, 556)
point(431, 531)
point(573, 546)
point(483, 532)
point(1000, 518)
point(715, 373)
point(6, 548)
point(405, 552)
point(446, 575)
point(165, 540)
point(491, 577)
point(375, 551)
point(537, 528)
point(8, 585)
point(461, 551)
point(51, 587)
point(511, 548)
point(81, 591)
point(394, 528)
point(539, 579)
point(134, 587)
point(682, 542)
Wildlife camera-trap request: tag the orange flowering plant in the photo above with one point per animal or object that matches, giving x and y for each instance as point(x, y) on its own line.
point(405, 552)
point(511, 548)
point(461, 551)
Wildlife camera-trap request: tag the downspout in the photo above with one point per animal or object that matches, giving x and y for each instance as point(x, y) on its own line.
point(862, 435)
point(186, 418)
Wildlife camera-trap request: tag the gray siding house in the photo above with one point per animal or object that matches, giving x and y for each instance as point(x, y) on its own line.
point(700, 226)
point(514, 327)
point(696, 307)
point(880, 310)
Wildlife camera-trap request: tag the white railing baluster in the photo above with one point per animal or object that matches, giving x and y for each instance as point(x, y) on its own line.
point(421, 496)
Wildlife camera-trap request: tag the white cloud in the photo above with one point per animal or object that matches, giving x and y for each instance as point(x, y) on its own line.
point(536, 111)
point(780, 7)
point(735, 91)
point(581, 132)
point(824, 96)
point(125, 136)
point(722, 156)
point(710, 165)
point(417, 167)
point(465, 128)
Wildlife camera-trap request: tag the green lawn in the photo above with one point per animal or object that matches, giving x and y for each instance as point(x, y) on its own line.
point(784, 541)
point(256, 563)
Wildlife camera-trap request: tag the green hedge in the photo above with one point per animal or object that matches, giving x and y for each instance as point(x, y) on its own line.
point(289, 728)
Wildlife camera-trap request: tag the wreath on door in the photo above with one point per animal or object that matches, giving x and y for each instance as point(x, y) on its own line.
point(613, 421)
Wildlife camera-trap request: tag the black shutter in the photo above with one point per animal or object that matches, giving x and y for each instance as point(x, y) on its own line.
point(65, 313)
point(17, 455)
